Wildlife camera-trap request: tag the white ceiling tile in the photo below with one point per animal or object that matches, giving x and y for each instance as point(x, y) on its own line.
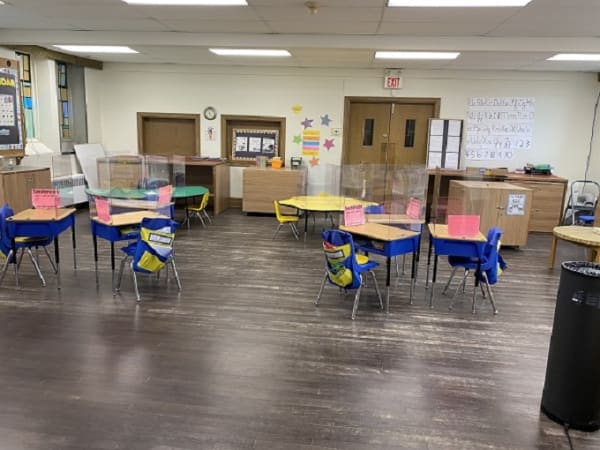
point(303, 27)
point(433, 29)
point(215, 26)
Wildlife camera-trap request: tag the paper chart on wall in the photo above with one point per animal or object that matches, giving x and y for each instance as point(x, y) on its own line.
point(499, 127)
point(434, 160)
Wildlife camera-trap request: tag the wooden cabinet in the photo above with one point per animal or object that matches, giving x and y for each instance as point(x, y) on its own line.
point(499, 204)
point(16, 186)
point(211, 174)
point(548, 199)
point(263, 185)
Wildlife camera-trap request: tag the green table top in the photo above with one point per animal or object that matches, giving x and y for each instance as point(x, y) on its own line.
point(178, 192)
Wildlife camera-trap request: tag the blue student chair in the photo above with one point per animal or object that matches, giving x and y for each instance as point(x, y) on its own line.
point(344, 268)
point(152, 252)
point(22, 243)
point(487, 265)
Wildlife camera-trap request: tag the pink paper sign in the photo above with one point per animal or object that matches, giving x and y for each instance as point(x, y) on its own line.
point(354, 215)
point(164, 194)
point(102, 209)
point(45, 198)
point(459, 225)
point(413, 210)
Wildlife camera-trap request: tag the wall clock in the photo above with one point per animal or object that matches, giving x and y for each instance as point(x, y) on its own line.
point(210, 113)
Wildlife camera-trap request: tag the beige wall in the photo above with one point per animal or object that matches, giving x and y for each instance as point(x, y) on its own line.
point(564, 103)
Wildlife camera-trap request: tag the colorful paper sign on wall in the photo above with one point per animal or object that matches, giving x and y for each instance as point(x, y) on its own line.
point(311, 140)
point(354, 215)
point(102, 209)
point(45, 198)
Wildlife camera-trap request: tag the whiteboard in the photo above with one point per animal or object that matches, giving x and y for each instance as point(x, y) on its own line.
point(87, 155)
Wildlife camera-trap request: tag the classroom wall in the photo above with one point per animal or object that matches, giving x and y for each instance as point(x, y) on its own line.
point(564, 104)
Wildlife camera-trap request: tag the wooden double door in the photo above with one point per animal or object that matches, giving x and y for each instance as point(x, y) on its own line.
point(390, 131)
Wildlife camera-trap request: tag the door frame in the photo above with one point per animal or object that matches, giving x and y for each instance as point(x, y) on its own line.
point(348, 101)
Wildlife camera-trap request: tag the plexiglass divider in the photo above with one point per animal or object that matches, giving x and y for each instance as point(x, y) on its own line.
point(63, 172)
point(131, 183)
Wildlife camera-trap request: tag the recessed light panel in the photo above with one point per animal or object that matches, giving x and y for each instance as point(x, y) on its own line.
point(457, 3)
point(249, 52)
point(96, 48)
point(416, 55)
point(575, 57)
point(188, 2)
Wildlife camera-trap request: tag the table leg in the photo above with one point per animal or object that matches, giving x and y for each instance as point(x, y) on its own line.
point(388, 265)
point(477, 275)
point(112, 264)
point(57, 259)
point(428, 263)
point(305, 224)
point(553, 251)
point(413, 277)
point(14, 252)
point(95, 242)
point(433, 277)
point(74, 245)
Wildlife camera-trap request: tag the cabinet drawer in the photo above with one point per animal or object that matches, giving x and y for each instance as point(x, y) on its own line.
point(546, 207)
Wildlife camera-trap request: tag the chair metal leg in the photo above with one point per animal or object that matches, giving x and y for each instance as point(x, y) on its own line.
point(36, 266)
point(454, 269)
point(295, 230)
point(5, 265)
point(404, 264)
point(463, 281)
point(490, 292)
point(135, 284)
point(117, 287)
point(356, 298)
point(482, 290)
point(176, 274)
point(20, 257)
point(207, 216)
point(277, 231)
point(201, 219)
point(397, 266)
point(474, 293)
point(377, 289)
point(50, 259)
point(321, 289)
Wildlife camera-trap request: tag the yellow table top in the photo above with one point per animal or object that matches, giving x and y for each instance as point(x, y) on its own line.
point(589, 236)
point(379, 231)
point(322, 202)
point(440, 231)
point(42, 214)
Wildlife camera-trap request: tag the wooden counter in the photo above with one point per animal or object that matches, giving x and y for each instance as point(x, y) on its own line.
point(263, 185)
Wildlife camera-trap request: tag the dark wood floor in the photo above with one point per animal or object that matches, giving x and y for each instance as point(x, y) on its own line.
point(242, 359)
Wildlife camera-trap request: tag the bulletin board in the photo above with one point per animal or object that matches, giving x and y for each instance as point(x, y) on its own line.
point(250, 143)
point(443, 143)
point(12, 129)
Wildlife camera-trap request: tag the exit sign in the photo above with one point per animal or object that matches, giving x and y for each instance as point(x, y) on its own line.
point(392, 79)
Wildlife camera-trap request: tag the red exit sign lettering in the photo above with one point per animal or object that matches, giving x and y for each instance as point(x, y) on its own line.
point(392, 79)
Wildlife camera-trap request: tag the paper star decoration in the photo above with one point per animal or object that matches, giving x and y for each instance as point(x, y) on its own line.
point(325, 120)
point(328, 144)
point(297, 109)
point(307, 123)
point(297, 139)
point(314, 161)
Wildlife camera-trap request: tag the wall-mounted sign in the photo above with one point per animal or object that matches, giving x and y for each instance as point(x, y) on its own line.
point(392, 79)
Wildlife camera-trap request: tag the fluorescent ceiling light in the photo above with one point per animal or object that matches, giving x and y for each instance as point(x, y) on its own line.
point(457, 3)
point(188, 2)
point(1, 3)
point(248, 52)
point(416, 55)
point(575, 57)
point(96, 48)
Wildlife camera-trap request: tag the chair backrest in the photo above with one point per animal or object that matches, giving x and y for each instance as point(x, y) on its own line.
point(155, 245)
point(340, 259)
point(277, 210)
point(5, 243)
point(374, 209)
point(490, 254)
point(204, 201)
point(584, 193)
